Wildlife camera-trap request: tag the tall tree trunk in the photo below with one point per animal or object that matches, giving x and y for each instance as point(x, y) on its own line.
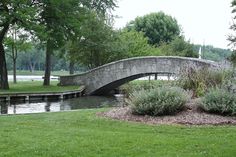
point(71, 68)
point(14, 54)
point(3, 66)
point(47, 73)
point(3, 69)
point(14, 70)
point(31, 66)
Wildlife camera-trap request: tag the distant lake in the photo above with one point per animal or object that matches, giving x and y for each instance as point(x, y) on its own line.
point(30, 77)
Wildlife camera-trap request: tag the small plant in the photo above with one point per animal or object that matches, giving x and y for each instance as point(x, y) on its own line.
point(158, 101)
point(220, 101)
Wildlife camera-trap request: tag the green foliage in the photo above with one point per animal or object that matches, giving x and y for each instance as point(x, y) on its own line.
point(219, 101)
point(178, 47)
point(96, 46)
point(232, 37)
point(138, 85)
point(15, 12)
point(100, 44)
point(90, 42)
point(213, 53)
point(200, 80)
point(33, 60)
point(158, 27)
point(53, 22)
point(134, 44)
point(230, 83)
point(232, 59)
point(20, 12)
point(158, 101)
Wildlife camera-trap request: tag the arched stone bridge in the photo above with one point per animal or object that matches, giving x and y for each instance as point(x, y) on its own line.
point(101, 80)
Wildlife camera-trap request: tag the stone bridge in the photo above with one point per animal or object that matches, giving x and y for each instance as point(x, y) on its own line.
point(101, 80)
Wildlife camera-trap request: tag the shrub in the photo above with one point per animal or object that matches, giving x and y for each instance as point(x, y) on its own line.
point(230, 83)
point(220, 101)
point(200, 80)
point(158, 101)
point(138, 85)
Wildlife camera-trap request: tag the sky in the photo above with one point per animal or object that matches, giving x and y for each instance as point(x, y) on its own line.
point(202, 21)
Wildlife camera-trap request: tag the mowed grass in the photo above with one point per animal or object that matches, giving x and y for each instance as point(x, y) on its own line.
point(83, 134)
point(37, 87)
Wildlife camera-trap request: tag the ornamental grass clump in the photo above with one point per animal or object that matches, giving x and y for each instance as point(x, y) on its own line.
point(158, 101)
point(200, 80)
point(219, 101)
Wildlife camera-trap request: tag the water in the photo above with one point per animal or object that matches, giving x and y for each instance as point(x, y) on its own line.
point(30, 78)
point(54, 78)
point(158, 78)
point(66, 105)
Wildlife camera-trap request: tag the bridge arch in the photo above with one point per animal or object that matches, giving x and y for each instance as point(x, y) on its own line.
point(103, 79)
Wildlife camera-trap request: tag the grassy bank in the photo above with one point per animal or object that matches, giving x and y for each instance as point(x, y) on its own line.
point(36, 87)
point(82, 133)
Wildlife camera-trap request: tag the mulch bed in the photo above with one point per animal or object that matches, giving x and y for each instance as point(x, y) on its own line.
point(192, 115)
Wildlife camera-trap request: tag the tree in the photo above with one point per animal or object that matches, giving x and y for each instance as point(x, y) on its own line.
point(33, 56)
point(178, 47)
point(15, 12)
point(62, 19)
point(96, 44)
point(53, 19)
point(134, 44)
point(232, 59)
point(158, 27)
point(232, 38)
point(212, 53)
point(12, 43)
point(16, 42)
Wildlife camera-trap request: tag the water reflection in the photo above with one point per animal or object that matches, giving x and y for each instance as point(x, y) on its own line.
point(4, 108)
point(47, 106)
point(72, 104)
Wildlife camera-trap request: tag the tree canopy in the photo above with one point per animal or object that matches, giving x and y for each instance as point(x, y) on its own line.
point(232, 38)
point(178, 47)
point(51, 21)
point(158, 27)
point(15, 12)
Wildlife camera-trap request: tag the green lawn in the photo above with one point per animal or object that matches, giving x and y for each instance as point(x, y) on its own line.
point(36, 87)
point(83, 134)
